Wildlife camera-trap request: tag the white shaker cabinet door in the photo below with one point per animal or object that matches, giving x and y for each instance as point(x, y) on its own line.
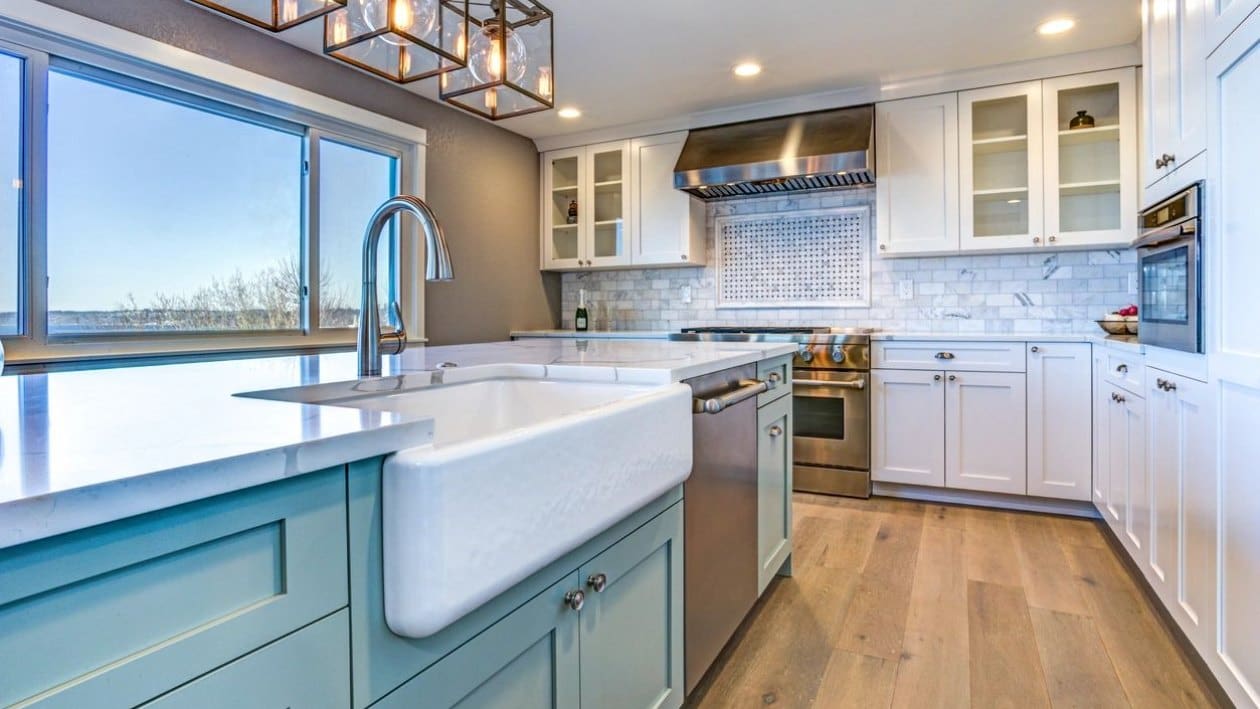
point(908, 427)
point(917, 163)
point(985, 432)
point(1060, 397)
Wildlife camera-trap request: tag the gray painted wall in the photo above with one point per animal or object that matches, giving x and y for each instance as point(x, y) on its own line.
point(482, 181)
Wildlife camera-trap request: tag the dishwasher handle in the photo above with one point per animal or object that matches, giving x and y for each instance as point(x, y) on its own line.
point(748, 388)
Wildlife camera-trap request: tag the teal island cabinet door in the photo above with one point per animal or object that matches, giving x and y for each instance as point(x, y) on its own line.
point(528, 660)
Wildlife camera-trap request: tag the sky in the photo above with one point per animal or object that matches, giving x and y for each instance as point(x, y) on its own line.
point(148, 196)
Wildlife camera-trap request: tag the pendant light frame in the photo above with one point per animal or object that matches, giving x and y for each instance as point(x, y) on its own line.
point(403, 69)
point(461, 88)
point(274, 23)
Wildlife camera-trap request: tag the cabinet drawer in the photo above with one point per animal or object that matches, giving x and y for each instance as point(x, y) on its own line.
point(778, 372)
point(118, 614)
point(1126, 371)
point(952, 356)
point(308, 669)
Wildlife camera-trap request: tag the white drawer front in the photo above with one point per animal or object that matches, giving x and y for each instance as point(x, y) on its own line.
point(1127, 372)
point(952, 356)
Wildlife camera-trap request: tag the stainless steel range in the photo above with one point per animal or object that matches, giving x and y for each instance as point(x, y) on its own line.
point(831, 402)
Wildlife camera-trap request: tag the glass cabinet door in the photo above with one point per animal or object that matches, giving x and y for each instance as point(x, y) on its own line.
point(563, 239)
point(608, 217)
point(1000, 165)
point(1091, 156)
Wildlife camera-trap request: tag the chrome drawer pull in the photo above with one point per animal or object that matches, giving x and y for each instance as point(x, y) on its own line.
point(859, 384)
point(776, 431)
point(944, 355)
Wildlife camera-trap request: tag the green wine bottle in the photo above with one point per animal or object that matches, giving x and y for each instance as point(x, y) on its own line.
point(580, 318)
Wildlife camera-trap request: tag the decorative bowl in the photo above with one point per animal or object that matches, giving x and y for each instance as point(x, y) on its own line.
point(1116, 327)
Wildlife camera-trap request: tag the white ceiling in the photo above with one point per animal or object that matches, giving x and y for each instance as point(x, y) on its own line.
point(634, 61)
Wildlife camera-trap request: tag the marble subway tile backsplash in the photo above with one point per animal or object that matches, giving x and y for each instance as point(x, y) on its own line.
point(1054, 292)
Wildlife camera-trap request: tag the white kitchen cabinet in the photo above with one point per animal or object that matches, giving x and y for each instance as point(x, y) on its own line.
point(1173, 80)
point(774, 489)
point(594, 181)
point(1000, 167)
point(1128, 499)
point(908, 427)
point(628, 213)
point(1225, 16)
point(916, 156)
point(985, 434)
point(1060, 390)
point(667, 225)
point(1091, 175)
point(1183, 477)
point(1102, 432)
point(1233, 340)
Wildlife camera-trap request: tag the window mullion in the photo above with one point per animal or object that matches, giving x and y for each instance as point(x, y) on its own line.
point(310, 234)
point(34, 308)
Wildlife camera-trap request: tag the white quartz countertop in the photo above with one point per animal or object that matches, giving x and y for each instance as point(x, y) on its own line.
point(983, 337)
point(596, 334)
point(82, 448)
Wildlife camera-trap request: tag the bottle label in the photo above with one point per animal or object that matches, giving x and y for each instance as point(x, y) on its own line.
point(581, 323)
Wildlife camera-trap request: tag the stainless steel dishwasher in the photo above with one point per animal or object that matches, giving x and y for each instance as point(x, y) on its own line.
point(720, 514)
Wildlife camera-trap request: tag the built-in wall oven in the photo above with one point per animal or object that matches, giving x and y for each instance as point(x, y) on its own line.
point(1170, 272)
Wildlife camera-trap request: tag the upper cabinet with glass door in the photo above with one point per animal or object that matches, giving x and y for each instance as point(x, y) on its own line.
point(586, 207)
point(1091, 159)
point(1000, 167)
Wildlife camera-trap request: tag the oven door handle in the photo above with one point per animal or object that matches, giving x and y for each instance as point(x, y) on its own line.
point(856, 384)
point(748, 388)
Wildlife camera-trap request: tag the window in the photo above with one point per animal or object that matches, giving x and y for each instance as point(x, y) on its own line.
point(353, 182)
point(154, 210)
point(168, 217)
point(10, 190)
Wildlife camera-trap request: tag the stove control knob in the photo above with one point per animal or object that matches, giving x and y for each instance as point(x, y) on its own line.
point(806, 354)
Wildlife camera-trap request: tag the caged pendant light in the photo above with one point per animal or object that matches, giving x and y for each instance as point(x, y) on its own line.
point(400, 40)
point(510, 54)
point(272, 15)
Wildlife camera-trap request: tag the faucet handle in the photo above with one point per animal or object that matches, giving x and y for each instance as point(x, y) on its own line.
point(394, 340)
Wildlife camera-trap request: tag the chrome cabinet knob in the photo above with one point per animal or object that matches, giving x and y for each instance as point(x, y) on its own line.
point(575, 599)
point(1162, 384)
point(1172, 386)
point(936, 378)
point(776, 431)
point(1169, 159)
point(944, 355)
point(1035, 349)
point(597, 582)
point(883, 247)
point(1036, 239)
point(1053, 239)
point(775, 378)
point(684, 257)
point(1123, 369)
point(953, 378)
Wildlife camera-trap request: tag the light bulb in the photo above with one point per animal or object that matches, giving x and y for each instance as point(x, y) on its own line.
point(486, 54)
point(340, 28)
point(288, 11)
point(415, 17)
point(544, 82)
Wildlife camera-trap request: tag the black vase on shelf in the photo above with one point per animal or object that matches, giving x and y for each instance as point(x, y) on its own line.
point(1082, 120)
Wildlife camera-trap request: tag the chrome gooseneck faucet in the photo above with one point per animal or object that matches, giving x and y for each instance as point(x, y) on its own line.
point(372, 341)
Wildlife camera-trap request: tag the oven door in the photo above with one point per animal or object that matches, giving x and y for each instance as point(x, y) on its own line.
point(831, 419)
point(1169, 282)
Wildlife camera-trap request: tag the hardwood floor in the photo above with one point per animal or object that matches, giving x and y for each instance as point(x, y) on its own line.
point(904, 604)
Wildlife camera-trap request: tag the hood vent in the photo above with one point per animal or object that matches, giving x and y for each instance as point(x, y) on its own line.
point(811, 151)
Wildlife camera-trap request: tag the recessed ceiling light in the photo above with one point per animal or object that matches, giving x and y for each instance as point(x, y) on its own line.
point(1056, 26)
point(569, 112)
point(747, 69)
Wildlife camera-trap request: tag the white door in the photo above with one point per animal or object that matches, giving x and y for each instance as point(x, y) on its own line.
point(1102, 432)
point(1000, 167)
point(1232, 248)
point(563, 236)
point(908, 427)
point(1118, 454)
point(606, 217)
point(916, 156)
point(1164, 444)
point(985, 432)
point(1173, 51)
point(1060, 427)
point(667, 224)
point(1137, 484)
point(1091, 175)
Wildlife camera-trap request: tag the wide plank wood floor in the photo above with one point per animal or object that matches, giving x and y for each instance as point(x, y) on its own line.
point(903, 604)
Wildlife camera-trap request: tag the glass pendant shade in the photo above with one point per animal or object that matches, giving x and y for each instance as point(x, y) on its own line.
point(273, 15)
point(509, 71)
point(401, 40)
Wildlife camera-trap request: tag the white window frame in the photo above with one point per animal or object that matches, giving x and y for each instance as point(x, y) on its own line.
point(46, 37)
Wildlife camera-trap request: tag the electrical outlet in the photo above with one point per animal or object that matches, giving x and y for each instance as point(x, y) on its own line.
point(1133, 284)
point(686, 294)
point(905, 289)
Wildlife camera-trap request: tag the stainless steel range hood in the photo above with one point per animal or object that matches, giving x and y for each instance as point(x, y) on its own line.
point(809, 151)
